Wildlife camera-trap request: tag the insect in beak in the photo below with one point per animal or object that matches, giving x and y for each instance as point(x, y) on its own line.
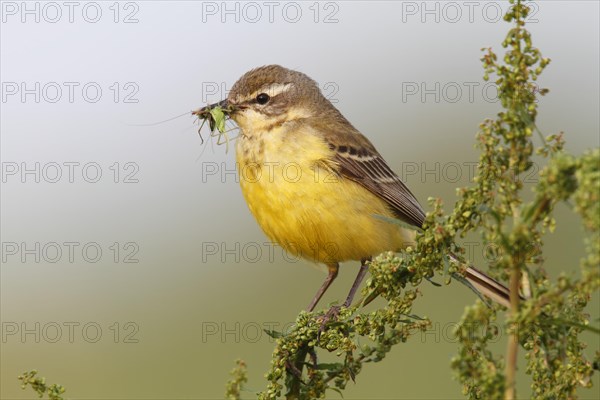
point(216, 114)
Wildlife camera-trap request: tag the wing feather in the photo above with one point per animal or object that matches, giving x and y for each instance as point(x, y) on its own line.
point(368, 168)
point(359, 161)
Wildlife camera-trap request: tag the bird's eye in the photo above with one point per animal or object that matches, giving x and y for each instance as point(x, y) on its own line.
point(262, 98)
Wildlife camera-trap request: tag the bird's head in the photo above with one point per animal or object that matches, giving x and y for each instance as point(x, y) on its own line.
point(271, 95)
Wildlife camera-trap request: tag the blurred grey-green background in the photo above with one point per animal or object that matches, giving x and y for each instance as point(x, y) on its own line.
point(131, 266)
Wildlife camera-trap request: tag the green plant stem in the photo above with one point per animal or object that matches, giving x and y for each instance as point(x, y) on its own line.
point(296, 381)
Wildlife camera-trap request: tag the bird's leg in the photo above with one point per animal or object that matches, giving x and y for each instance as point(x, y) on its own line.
point(333, 272)
point(359, 278)
point(333, 311)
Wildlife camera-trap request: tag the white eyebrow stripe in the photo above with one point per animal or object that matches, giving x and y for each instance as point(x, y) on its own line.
point(272, 90)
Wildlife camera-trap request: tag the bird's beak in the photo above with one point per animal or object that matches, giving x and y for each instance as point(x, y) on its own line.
point(222, 104)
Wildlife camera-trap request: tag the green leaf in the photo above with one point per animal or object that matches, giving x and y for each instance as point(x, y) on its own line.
point(329, 366)
point(274, 334)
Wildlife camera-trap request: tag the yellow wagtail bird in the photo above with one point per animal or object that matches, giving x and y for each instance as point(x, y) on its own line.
point(315, 184)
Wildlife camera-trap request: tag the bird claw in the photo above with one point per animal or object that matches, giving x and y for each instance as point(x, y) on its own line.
point(332, 314)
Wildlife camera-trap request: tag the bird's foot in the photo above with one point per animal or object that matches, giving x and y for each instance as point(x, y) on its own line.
point(332, 314)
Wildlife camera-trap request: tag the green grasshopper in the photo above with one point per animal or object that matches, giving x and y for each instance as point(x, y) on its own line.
point(216, 117)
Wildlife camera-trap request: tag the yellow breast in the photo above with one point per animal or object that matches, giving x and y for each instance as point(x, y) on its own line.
point(292, 188)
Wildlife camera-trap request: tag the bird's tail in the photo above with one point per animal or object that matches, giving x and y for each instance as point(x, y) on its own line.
point(488, 286)
point(479, 282)
point(485, 285)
